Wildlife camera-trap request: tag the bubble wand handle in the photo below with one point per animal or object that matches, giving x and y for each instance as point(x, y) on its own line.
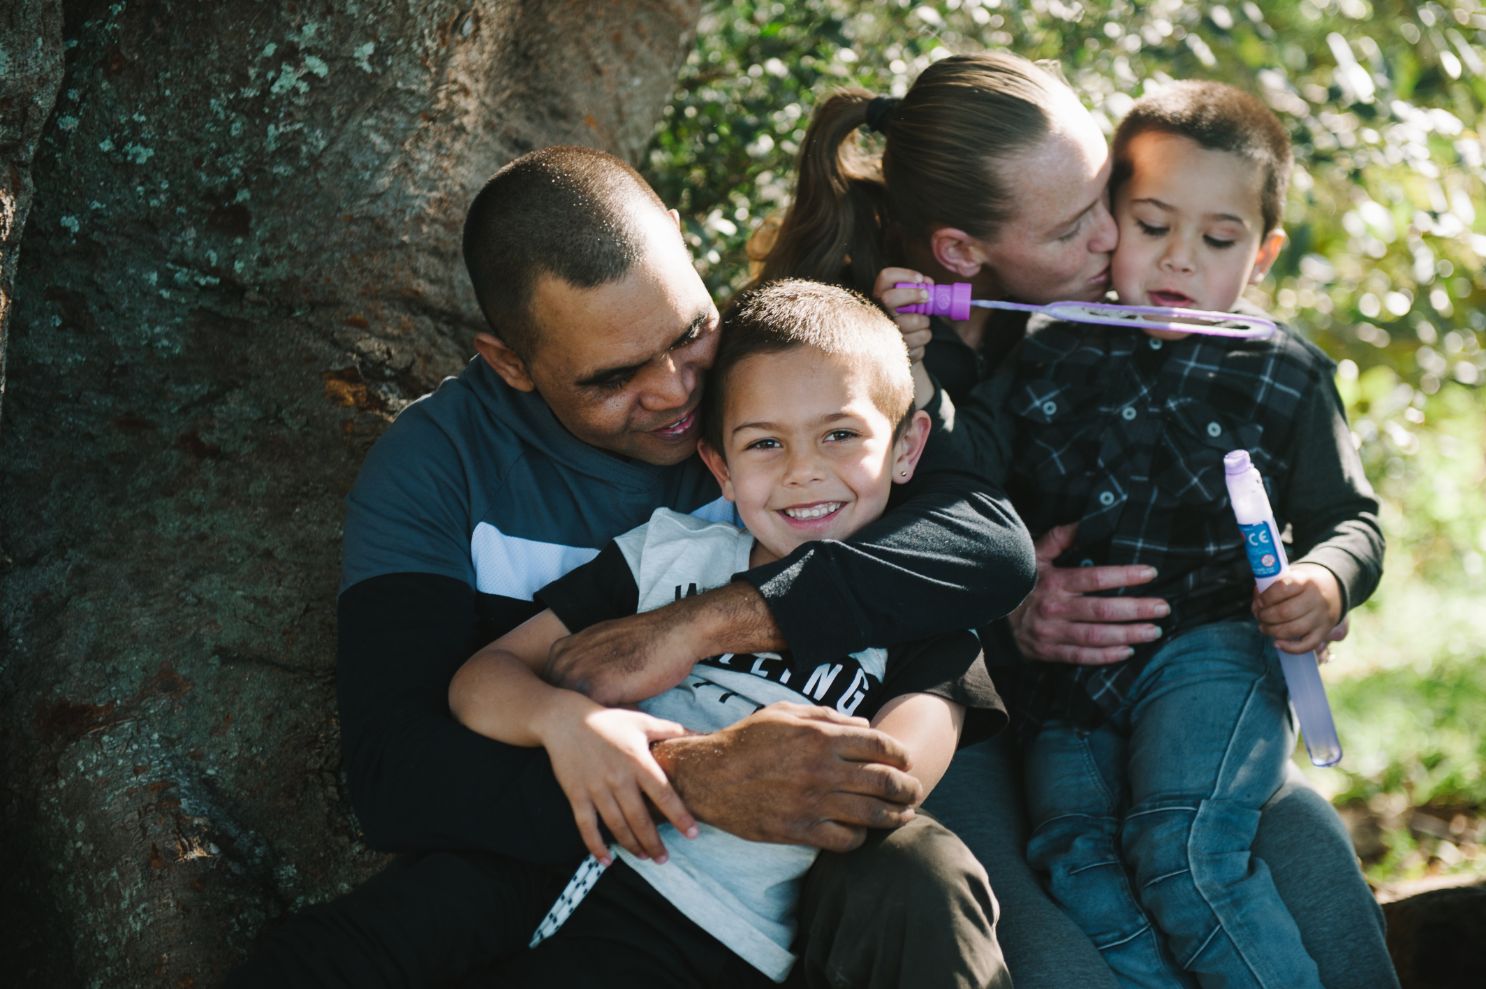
point(1267, 560)
point(953, 300)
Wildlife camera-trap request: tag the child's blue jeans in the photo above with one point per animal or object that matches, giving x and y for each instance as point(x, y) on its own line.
point(1143, 826)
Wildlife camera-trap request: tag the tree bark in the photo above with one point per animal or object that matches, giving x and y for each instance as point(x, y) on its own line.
point(241, 258)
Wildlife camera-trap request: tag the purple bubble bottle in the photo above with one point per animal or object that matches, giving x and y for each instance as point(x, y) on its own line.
point(1267, 559)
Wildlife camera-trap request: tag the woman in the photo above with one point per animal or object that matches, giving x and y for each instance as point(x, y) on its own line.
point(995, 174)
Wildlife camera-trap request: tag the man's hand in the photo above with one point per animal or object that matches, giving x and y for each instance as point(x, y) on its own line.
point(793, 774)
point(1060, 623)
point(1300, 610)
point(634, 658)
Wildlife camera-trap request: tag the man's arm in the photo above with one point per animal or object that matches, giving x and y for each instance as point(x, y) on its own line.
point(951, 554)
point(418, 779)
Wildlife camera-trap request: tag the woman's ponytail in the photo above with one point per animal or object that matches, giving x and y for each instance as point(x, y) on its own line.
point(834, 230)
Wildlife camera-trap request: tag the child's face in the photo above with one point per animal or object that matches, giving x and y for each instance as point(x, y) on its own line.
point(1191, 231)
point(807, 454)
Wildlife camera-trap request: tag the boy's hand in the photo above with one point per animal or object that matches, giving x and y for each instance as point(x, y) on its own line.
point(913, 326)
point(601, 757)
point(1300, 610)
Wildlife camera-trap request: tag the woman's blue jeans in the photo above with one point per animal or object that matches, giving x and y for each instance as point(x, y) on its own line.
point(1144, 826)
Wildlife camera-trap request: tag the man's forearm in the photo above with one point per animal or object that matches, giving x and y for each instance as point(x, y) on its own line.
point(418, 779)
point(733, 618)
point(630, 659)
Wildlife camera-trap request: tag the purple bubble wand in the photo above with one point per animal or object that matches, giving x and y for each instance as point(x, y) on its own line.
point(953, 300)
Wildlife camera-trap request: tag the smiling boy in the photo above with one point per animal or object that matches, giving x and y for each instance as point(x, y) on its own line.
point(809, 425)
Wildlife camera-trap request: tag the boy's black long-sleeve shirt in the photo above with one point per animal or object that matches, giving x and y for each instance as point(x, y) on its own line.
point(468, 505)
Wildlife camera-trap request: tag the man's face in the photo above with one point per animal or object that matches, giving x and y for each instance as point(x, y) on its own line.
point(621, 365)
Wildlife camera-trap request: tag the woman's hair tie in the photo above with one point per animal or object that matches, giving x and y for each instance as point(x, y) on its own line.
point(878, 107)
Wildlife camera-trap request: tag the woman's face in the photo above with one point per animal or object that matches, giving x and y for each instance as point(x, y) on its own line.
point(1057, 244)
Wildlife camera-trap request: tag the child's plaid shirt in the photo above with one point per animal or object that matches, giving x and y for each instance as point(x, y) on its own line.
point(1125, 434)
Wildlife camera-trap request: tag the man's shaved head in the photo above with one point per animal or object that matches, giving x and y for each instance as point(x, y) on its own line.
point(576, 213)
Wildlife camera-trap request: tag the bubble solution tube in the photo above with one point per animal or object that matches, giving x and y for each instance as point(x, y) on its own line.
point(1261, 541)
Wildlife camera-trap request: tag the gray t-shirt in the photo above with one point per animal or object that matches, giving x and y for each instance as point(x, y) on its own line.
point(743, 892)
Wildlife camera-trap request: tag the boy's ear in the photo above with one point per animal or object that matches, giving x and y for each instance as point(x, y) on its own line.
point(910, 447)
point(956, 251)
point(1274, 242)
point(718, 465)
point(504, 361)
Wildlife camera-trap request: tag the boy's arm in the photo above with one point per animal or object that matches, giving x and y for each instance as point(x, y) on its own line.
point(1333, 515)
point(601, 756)
point(497, 691)
point(1331, 507)
point(928, 726)
point(930, 685)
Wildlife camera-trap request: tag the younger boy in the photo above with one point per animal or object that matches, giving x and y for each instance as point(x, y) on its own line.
point(809, 422)
point(1145, 777)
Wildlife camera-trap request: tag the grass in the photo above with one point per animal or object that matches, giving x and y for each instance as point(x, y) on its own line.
point(1408, 686)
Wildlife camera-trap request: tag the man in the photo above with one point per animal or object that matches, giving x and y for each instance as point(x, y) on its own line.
point(577, 419)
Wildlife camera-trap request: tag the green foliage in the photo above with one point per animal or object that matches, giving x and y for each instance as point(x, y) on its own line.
point(1384, 270)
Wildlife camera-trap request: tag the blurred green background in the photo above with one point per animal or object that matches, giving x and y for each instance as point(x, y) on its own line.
point(1384, 270)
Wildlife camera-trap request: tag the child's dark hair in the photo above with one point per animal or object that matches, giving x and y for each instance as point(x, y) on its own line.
point(571, 212)
point(777, 316)
point(1219, 118)
point(940, 167)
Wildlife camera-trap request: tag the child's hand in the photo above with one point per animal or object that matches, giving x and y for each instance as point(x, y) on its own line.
point(913, 326)
point(1300, 609)
point(601, 757)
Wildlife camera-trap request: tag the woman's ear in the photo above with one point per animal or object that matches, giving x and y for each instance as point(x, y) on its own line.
point(956, 251)
point(910, 447)
point(504, 361)
point(1274, 241)
point(718, 465)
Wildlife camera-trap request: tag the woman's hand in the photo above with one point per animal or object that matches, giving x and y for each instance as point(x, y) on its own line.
point(1300, 610)
point(913, 326)
point(601, 758)
point(1061, 622)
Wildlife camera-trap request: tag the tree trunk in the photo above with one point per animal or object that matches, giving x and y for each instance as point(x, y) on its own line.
point(242, 256)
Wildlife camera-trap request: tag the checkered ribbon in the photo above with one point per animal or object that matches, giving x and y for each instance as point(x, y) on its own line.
point(567, 901)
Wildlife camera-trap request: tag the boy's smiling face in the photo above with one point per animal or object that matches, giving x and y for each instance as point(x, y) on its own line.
point(1191, 231)
point(808, 454)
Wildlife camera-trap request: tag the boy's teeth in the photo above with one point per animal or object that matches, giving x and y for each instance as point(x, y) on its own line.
point(813, 512)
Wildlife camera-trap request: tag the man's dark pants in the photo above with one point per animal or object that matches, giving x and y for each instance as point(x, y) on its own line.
point(911, 907)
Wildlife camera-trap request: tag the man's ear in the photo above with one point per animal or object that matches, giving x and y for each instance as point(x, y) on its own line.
point(504, 361)
point(1274, 241)
point(676, 216)
point(910, 447)
point(956, 251)
point(718, 465)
